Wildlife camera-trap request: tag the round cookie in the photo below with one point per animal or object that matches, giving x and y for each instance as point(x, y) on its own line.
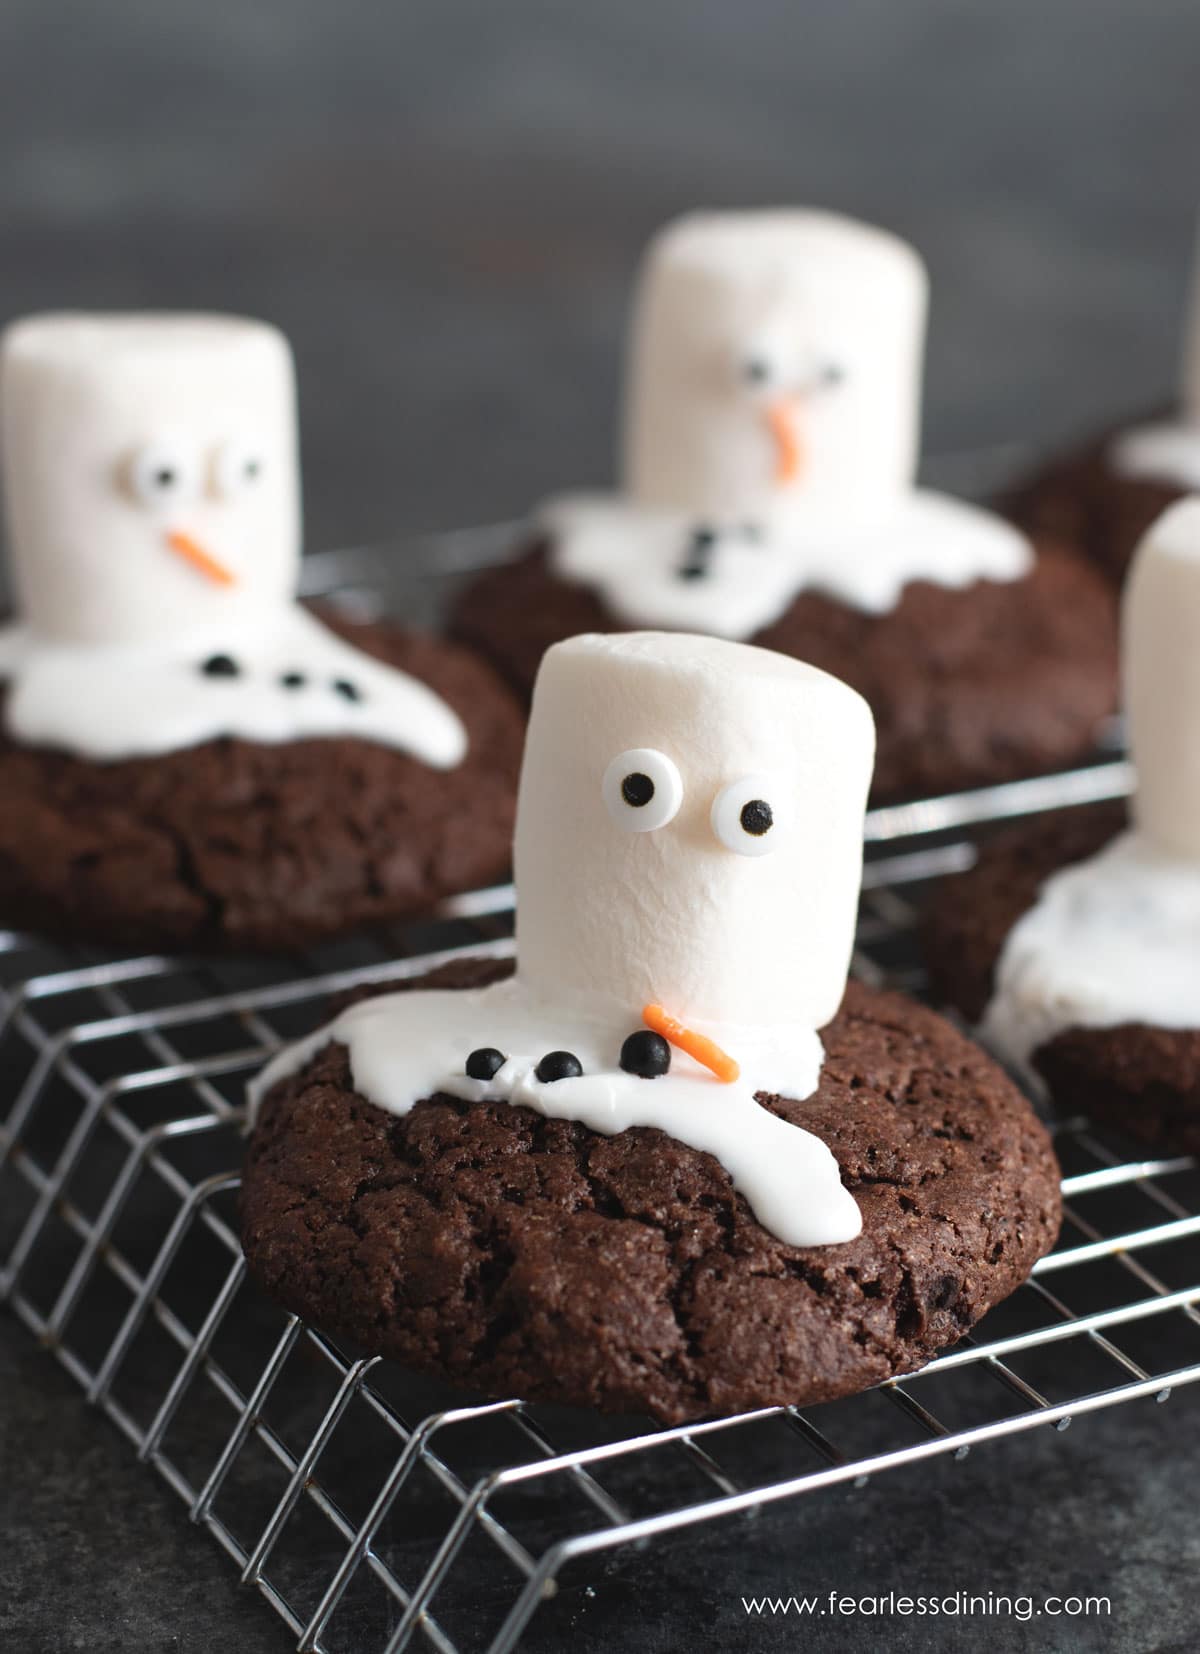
point(516, 1254)
point(242, 844)
point(1081, 499)
point(1140, 1079)
point(968, 686)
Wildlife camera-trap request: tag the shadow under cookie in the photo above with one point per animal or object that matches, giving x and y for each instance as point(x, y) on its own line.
point(1141, 1080)
point(249, 845)
point(519, 1255)
point(968, 687)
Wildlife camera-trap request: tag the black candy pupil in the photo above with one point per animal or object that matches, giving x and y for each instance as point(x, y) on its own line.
point(251, 469)
point(164, 477)
point(637, 789)
point(757, 817)
point(757, 371)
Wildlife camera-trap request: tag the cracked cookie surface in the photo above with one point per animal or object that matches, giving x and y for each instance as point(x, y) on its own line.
point(240, 844)
point(517, 1255)
point(987, 684)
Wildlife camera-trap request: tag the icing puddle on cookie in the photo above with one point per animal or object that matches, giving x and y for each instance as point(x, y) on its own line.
point(410, 1045)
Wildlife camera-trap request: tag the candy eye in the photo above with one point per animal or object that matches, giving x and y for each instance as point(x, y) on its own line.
point(161, 474)
point(757, 369)
point(237, 468)
point(642, 789)
point(743, 817)
point(830, 375)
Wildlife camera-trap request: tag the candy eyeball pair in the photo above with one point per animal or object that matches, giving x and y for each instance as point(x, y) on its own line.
point(765, 368)
point(167, 473)
point(643, 790)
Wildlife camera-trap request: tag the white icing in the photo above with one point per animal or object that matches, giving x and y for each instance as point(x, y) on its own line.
point(406, 1046)
point(1112, 940)
point(1167, 453)
point(632, 555)
point(152, 484)
point(752, 950)
point(1116, 939)
point(124, 701)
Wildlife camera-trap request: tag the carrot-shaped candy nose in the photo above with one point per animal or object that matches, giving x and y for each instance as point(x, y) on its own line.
point(783, 418)
point(706, 1052)
point(194, 553)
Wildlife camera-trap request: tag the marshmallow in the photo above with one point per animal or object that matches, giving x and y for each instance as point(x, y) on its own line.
point(775, 356)
point(629, 899)
point(151, 473)
point(689, 835)
point(1161, 648)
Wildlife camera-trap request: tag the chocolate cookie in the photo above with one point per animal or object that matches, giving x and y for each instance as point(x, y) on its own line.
point(236, 844)
point(968, 687)
point(1079, 499)
point(1140, 1079)
point(515, 1254)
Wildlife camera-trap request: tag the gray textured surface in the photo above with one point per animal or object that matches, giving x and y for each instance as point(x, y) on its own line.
point(441, 202)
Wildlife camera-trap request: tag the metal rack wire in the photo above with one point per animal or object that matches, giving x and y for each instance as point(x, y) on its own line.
point(371, 1508)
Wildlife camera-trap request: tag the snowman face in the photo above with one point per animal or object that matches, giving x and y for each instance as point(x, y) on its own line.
point(690, 829)
point(151, 474)
point(775, 362)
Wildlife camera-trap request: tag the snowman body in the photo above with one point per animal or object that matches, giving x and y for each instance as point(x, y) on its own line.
point(771, 433)
point(152, 484)
point(689, 835)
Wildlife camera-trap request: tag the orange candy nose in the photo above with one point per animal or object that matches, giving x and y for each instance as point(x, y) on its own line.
point(204, 561)
point(706, 1052)
point(783, 418)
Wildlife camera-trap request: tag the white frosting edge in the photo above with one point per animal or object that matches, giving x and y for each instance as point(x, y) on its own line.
point(109, 702)
point(409, 1045)
point(1168, 453)
point(631, 554)
point(1110, 940)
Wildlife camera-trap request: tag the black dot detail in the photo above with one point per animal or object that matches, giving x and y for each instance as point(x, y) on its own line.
point(293, 680)
point(832, 374)
point(347, 690)
point(559, 1065)
point(221, 666)
point(485, 1063)
point(757, 817)
point(645, 1054)
point(637, 790)
point(165, 478)
point(757, 370)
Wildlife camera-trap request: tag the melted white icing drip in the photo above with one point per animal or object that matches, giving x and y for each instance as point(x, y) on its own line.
point(406, 1046)
point(632, 555)
point(1111, 940)
point(108, 702)
point(1163, 453)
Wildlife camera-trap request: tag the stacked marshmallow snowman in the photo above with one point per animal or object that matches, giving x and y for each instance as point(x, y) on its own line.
point(152, 480)
point(688, 858)
point(771, 434)
point(1115, 939)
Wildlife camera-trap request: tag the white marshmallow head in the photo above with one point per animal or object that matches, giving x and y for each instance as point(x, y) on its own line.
point(689, 829)
point(775, 360)
point(151, 473)
point(1161, 658)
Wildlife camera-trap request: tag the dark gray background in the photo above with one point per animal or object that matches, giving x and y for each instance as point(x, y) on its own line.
point(442, 203)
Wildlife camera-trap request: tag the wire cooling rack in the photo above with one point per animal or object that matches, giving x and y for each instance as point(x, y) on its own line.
point(376, 1511)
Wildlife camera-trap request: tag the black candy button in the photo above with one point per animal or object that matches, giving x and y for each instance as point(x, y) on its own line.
point(221, 666)
point(645, 1054)
point(293, 680)
point(485, 1063)
point(559, 1065)
point(347, 690)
